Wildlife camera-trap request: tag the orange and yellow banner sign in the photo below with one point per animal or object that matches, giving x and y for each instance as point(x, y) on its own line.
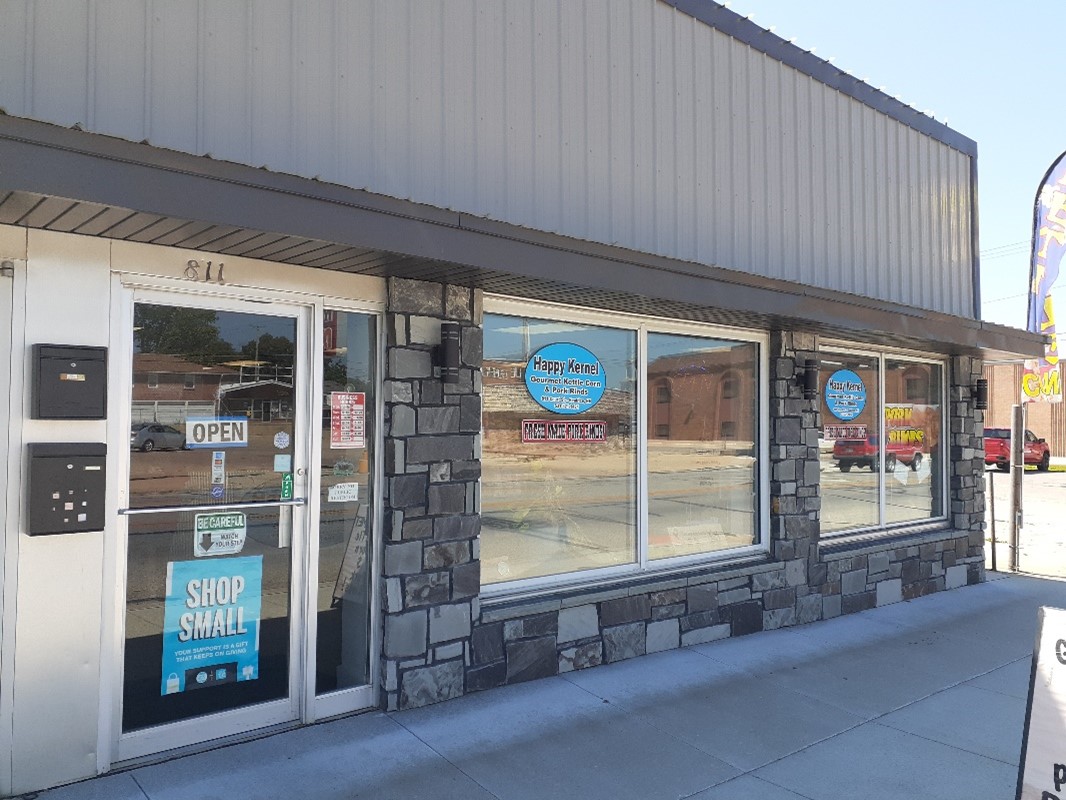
point(1041, 378)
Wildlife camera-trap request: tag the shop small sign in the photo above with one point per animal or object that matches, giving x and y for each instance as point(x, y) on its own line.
point(541, 430)
point(565, 378)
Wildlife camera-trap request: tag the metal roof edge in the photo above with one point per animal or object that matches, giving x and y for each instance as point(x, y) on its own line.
point(758, 38)
point(59, 162)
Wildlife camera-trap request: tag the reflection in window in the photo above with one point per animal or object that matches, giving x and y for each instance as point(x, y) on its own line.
point(916, 384)
point(913, 424)
point(552, 505)
point(702, 487)
point(346, 500)
point(729, 386)
point(557, 506)
point(854, 461)
point(200, 363)
point(851, 461)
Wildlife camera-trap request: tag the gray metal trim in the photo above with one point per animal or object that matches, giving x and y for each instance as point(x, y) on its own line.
point(744, 30)
point(975, 244)
point(125, 179)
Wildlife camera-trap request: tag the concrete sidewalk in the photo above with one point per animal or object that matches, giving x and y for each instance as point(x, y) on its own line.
point(919, 699)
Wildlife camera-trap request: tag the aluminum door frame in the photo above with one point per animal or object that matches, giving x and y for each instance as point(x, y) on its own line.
point(118, 747)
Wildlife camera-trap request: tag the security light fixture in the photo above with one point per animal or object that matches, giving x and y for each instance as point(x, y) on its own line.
point(449, 352)
point(808, 376)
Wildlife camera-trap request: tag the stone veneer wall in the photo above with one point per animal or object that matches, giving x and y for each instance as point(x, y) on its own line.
point(431, 573)
point(801, 582)
point(439, 642)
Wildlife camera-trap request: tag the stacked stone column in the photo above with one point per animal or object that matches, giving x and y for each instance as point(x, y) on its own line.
point(966, 462)
point(432, 465)
point(795, 501)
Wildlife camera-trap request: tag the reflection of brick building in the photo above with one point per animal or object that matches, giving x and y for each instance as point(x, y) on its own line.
point(168, 388)
point(702, 397)
point(1046, 420)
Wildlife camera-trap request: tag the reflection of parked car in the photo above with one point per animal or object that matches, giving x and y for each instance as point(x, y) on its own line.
point(864, 453)
point(997, 449)
point(154, 436)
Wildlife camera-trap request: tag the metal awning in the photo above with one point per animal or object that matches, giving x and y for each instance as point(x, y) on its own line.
point(65, 180)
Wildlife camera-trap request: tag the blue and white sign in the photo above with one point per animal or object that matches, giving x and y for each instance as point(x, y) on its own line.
point(211, 623)
point(845, 394)
point(565, 378)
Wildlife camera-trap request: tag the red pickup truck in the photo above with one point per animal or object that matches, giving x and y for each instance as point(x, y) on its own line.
point(850, 453)
point(997, 449)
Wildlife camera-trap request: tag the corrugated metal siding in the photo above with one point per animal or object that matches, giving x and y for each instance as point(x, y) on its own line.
point(620, 121)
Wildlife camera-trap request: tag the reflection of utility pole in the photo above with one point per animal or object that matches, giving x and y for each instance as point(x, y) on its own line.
point(526, 344)
point(257, 330)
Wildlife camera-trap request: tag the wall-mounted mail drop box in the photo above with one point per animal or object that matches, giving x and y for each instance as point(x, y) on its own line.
point(67, 485)
point(69, 382)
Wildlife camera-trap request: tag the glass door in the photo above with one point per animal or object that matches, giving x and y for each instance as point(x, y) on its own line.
point(216, 551)
point(343, 595)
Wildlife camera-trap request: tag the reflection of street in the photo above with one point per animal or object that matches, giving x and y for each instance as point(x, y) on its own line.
point(536, 523)
point(184, 477)
point(850, 499)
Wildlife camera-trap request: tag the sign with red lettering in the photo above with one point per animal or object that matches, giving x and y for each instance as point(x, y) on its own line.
point(347, 420)
point(544, 430)
point(844, 432)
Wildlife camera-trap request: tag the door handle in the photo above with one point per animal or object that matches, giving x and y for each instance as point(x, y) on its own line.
point(296, 501)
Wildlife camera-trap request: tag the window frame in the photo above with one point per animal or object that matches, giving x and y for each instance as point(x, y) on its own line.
point(883, 354)
point(642, 326)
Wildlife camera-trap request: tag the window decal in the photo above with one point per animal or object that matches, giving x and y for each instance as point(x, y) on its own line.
point(565, 378)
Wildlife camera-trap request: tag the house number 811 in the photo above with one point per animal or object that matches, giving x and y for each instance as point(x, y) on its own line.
point(193, 267)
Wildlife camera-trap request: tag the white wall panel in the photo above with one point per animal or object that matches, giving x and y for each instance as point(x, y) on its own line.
point(56, 686)
point(619, 121)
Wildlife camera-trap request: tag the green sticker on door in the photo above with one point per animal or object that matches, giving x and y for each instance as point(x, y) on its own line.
point(286, 486)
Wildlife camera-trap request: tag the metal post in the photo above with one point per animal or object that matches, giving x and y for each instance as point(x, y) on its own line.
point(992, 509)
point(1017, 471)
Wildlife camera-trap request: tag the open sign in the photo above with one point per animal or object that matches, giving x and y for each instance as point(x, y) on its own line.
point(215, 432)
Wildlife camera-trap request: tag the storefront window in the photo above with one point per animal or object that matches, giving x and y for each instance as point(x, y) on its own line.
point(346, 500)
point(913, 414)
point(558, 496)
point(570, 410)
point(702, 487)
point(881, 460)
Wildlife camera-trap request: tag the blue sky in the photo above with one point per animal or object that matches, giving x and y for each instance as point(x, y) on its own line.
point(990, 70)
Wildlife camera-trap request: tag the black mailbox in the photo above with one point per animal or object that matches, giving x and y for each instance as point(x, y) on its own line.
point(69, 382)
point(67, 485)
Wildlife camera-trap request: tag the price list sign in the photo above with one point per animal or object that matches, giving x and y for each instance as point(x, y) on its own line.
point(347, 417)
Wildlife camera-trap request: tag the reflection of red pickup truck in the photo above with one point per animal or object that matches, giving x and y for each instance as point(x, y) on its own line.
point(864, 453)
point(997, 449)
